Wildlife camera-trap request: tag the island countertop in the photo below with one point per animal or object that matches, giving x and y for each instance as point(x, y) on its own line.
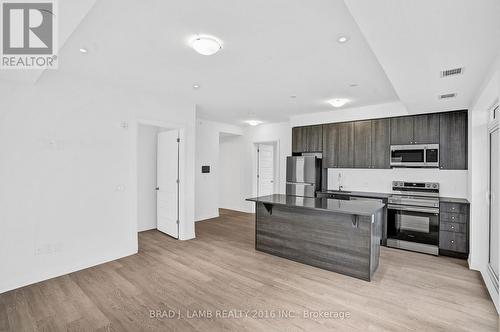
point(361, 208)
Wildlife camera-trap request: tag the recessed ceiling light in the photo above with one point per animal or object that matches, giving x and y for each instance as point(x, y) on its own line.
point(338, 102)
point(206, 45)
point(196, 86)
point(253, 123)
point(343, 39)
point(84, 50)
point(353, 85)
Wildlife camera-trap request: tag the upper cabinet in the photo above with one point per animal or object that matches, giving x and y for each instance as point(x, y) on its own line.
point(307, 139)
point(363, 144)
point(426, 129)
point(338, 145)
point(402, 130)
point(453, 140)
point(419, 129)
point(367, 143)
point(381, 143)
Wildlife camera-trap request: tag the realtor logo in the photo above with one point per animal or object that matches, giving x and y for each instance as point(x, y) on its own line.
point(28, 34)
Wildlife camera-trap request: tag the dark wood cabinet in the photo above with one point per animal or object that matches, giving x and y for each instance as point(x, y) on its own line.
point(426, 129)
point(454, 229)
point(307, 139)
point(298, 138)
point(402, 130)
point(453, 140)
point(314, 138)
point(363, 144)
point(330, 145)
point(366, 143)
point(338, 145)
point(381, 143)
point(346, 145)
point(418, 129)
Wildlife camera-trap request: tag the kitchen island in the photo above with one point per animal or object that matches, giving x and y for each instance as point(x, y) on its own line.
point(336, 235)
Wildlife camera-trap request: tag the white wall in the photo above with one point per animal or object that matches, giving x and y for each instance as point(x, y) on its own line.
point(239, 157)
point(147, 145)
point(207, 153)
point(68, 178)
point(452, 183)
point(478, 176)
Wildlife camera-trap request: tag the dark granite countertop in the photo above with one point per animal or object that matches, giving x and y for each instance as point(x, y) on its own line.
point(357, 193)
point(362, 208)
point(386, 195)
point(453, 200)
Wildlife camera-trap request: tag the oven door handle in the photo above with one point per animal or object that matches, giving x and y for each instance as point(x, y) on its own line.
point(413, 209)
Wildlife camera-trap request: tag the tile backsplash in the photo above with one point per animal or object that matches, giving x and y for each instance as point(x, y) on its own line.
point(452, 183)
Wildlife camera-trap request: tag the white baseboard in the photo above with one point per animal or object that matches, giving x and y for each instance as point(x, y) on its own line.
point(215, 215)
point(29, 280)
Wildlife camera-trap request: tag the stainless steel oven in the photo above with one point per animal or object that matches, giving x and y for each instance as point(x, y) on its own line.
point(415, 155)
point(413, 217)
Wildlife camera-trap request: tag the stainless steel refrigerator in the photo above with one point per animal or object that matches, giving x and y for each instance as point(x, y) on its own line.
point(303, 176)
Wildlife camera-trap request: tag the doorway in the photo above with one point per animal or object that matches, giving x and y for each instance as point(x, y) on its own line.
point(158, 174)
point(267, 168)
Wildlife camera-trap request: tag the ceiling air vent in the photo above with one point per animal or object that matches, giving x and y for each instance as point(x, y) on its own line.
point(447, 95)
point(452, 72)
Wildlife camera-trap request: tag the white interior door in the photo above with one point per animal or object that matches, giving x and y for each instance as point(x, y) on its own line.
point(168, 185)
point(265, 176)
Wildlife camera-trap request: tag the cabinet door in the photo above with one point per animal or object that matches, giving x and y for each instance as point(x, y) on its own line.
point(346, 145)
point(314, 139)
point(453, 140)
point(402, 130)
point(363, 144)
point(381, 143)
point(298, 139)
point(426, 129)
point(330, 145)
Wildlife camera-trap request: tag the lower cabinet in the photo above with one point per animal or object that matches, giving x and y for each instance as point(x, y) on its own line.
point(454, 229)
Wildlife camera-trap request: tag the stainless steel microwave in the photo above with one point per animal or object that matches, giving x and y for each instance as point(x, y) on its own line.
point(415, 155)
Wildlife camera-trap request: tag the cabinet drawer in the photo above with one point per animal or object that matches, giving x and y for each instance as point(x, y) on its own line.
point(453, 207)
point(453, 217)
point(453, 227)
point(453, 241)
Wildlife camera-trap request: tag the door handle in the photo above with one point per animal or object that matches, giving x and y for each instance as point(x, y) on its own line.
point(157, 188)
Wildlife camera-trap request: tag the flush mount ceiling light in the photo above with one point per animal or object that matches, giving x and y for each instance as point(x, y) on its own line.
point(84, 50)
point(343, 39)
point(196, 86)
point(338, 102)
point(206, 45)
point(253, 123)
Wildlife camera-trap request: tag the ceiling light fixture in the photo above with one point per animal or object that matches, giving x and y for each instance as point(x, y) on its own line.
point(343, 39)
point(83, 50)
point(253, 123)
point(196, 86)
point(206, 45)
point(338, 102)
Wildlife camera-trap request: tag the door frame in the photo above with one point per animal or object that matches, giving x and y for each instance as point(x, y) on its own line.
point(276, 162)
point(134, 174)
point(493, 125)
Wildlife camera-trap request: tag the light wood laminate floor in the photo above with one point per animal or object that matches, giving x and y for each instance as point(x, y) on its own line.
point(220, 270)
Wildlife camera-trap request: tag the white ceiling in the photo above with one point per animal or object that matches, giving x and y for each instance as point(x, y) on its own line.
point(272, 50)
point(275, 49)
point(415, 40)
